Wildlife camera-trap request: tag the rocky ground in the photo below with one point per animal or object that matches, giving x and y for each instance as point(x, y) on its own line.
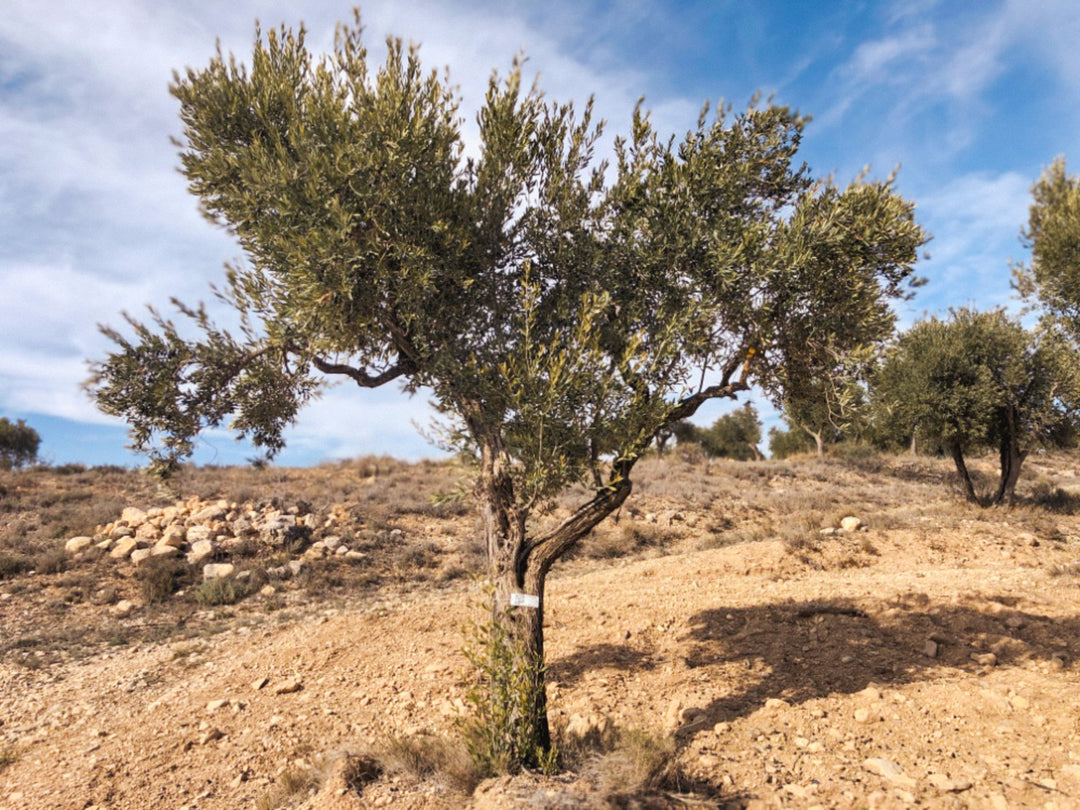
point(927, 658)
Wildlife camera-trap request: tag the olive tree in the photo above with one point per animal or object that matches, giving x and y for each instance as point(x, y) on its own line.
point(734, 435)
point(1053, 233)
point(18, 444)
point(977, 380)
point(561, 311)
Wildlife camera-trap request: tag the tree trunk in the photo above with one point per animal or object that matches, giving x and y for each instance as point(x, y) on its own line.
point(962, 471)
point(819, 443)
point(517, 570)
point(1012, 458)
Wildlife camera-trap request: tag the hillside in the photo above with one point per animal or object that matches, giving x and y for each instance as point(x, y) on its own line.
point(768, 657)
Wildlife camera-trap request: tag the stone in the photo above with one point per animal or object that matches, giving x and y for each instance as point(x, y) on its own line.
point(1020, 703)
point(862, 715)
point(259, 683)
point(267, 590)
point(174, 535)
point(944, 784)
point(122, 609)
point(133, 516)
point(210, 735)
point(77, 544)
point(196, 534)
point(218, 571)
point(930, 648)
point(288, 687)
point(141, 555)
point(890, 771)
point(216, 705)
point(850, 523)
point(332, 542)
point(200, 551)
point(341, 551)
point(123, 548)
point(162, 550)
point(295, 567)
point(984, 659)
point(214, 511)
point(355, 556)
point(148, 531)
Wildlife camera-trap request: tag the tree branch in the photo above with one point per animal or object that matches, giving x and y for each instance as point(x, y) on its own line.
point(362, 377)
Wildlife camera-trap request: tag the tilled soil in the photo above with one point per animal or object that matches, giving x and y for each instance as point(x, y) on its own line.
point(880, 668)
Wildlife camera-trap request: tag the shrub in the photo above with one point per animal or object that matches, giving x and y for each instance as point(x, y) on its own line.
point(216, 592)
point(161, 577)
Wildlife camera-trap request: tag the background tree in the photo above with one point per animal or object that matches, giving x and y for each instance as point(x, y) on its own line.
point(1053, 234)
point(734, 435)
point(790, 441)
point(974, 381)
point(18, 444)
point(560, 319)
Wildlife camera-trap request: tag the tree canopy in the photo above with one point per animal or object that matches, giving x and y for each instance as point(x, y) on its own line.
point(734, 435)
point(561, 310)
point(1053, 234)
point(977, 380)
point(18, 444)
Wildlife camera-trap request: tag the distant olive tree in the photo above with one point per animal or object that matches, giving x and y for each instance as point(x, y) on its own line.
point(18, 444)
point(978, 380)
point(734, 435)
point(1053, 234)
point(560, 311)
point(790, 441)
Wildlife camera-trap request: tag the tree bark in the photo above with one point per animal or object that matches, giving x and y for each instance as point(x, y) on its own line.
point(962, 471)
point(518, 566)
point(1012, 459)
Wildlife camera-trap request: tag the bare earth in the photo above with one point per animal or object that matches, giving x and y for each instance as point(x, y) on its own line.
point(919, 662)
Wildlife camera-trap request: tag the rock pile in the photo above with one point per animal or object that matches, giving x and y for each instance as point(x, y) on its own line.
point(207, 532)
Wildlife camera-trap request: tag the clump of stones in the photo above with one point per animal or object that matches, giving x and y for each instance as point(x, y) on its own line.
point(207, 533)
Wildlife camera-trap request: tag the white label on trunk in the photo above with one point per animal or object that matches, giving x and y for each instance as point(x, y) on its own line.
point(525, 600)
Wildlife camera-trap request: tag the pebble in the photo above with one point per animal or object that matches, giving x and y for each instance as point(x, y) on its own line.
point(288, 687)
point(890, 771)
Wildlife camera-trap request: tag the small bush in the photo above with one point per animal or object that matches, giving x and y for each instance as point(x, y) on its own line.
point(427, 757)
point(217, 592)
point(52, 561)
point(501, 695)
point(642, 762)
point(13, 564)
point(161, 577)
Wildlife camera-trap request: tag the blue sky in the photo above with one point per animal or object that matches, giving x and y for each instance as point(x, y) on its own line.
point(972, 100)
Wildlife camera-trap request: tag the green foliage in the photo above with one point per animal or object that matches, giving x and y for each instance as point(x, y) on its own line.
point(789, 442)
point(539, 304)
point(734, 435)
point(501, 695)
point(1053, 234)
point(18, 444)
point(974, 381)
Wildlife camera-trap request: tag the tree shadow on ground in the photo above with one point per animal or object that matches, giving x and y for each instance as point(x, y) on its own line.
point(799, 651)
point(600, 656)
